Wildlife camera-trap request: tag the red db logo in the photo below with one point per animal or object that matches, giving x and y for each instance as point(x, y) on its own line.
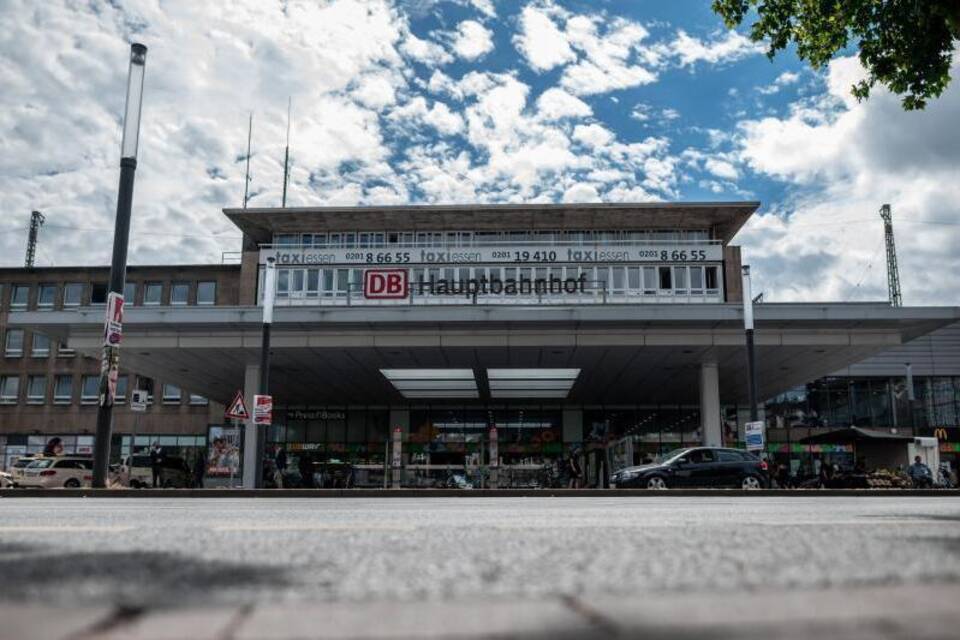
point(386, 283)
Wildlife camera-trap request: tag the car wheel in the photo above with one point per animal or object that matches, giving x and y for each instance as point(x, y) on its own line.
point(72, 483)
point(750, 483)
point(656, 482)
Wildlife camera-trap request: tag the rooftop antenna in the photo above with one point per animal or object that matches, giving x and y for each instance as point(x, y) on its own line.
point(286, 156)
point(893, 272)
point(246, 180)
point(36, 221)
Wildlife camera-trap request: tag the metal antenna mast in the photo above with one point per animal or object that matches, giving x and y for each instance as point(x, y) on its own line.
point(36, 221)
point(246, 179)
point(286, 156)
point(893, 272)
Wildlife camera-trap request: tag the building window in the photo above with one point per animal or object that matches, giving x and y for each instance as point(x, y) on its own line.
point(98, 293)
point(171, 394)
point(9, 389)
point(46, 296)
point(72, 294)
point(36, 389)
point(63, 389)
point(63, 351)
point(665, 281)
point(152, 293)
point(122, 382)
point(198, 400)
point(13, 347)
point(179, 293)
point(206, 293)
point(129, 293)
point(89, 389)
point(41, 346)
point(146, 384)
point(19, 296)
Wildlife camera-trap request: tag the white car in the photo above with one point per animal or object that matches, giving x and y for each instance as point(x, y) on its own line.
point(48, 473)
point(19, 465)
point(6, 480)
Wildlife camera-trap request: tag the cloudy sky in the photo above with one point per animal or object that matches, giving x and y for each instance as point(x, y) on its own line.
point(431, 101)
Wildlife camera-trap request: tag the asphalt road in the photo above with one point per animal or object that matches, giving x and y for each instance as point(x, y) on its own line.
point(221, 553)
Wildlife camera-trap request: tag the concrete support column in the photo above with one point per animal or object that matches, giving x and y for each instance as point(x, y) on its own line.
point(399, 418)
point(710, 425)
point(251, 386)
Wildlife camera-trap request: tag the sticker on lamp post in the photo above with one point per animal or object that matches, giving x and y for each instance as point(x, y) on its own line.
point(262, 409)
point(753, 435)
point(113, 323)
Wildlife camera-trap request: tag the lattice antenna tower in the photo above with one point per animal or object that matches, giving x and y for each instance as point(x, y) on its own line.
point(36, 221)
point(893, 272)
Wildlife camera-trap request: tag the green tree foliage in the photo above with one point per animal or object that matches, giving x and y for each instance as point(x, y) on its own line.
point(906, 45)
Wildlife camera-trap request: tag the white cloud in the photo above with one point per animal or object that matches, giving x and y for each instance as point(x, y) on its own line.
point(732, 46)
point(614, 59)
point(375, 91)
point(425, 51)
point(541, 42)
point(721, 168)
point(472, 40)
point(593, 135)
point(844, 160)
point(554, 104)
point(784, 79)
point(581, 193)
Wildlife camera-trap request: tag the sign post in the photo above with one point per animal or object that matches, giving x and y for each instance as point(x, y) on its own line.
point(397, 457)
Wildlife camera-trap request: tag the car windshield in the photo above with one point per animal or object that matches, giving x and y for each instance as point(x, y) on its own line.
point(40, 464)
point(676, 453)
point(24, 462)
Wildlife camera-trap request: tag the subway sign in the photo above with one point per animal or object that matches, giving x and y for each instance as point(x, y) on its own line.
point(306, 257)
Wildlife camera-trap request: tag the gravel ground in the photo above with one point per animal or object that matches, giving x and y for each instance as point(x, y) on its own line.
point(228, 552)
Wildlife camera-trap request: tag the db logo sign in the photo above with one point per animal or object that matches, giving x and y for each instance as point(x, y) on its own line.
point(386, 284)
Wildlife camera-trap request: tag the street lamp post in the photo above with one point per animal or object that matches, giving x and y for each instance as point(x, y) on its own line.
point(109, 365)
point(269, 293)
point(748, 329)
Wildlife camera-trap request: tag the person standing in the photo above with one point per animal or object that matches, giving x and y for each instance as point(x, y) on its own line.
point(156, 463)
point(574, 470)
point(281, 463)
point(199, 469)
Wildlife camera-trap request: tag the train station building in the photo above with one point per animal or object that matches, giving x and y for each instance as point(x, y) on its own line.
point(604, 331)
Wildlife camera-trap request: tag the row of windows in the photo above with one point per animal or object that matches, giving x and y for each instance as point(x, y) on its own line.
point(373, 239)
point(71, 294)
point(37, 388)
point(618, 280)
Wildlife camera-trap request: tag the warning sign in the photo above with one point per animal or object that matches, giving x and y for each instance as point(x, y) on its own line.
point(262, 409)
point(237, 409)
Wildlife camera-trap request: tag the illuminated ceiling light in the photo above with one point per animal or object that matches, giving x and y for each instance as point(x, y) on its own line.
point(427, 374)
point(533, 374)
point(433, 383)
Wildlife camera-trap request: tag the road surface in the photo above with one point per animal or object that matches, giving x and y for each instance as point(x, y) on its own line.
point(608, 564)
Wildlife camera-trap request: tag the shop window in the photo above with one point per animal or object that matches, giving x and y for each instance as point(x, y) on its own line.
point(19, 296)
point(36, 389)
point(63, 389)
point(98, 293)
point(13, 346)
point(9, 389)
point(179, 293)
point(46, 296)
point(152, 293)
point(129, 293)
point(72, 294)
point(356, 426)
point(40, 347)
point(89, 389)
point(207, 292)
point(171, 394)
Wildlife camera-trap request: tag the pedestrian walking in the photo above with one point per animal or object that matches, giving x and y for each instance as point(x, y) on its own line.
point(199, 469)
point(156, 463)
point(280, 461)
point(574, 470)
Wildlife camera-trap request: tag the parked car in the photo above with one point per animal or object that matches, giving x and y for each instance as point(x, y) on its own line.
point(67, 471)
point(174, 474)
point(696, 467)
point(6, 480)
point(18, 466)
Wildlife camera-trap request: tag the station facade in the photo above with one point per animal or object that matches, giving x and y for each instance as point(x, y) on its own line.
point(605, 332)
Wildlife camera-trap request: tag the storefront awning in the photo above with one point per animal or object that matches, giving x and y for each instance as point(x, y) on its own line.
point(852, 435)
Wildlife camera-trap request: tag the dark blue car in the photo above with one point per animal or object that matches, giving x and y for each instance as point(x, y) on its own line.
point(696, 467)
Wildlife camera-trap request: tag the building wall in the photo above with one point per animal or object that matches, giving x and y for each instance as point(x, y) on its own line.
point(935, 354)
point(21, 415)
point(733, 285)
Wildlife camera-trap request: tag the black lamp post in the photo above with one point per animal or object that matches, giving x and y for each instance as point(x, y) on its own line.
point(748, 329)
point(269, 294)
point(109, 364)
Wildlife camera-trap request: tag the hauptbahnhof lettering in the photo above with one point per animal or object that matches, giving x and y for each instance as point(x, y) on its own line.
point(568, 328)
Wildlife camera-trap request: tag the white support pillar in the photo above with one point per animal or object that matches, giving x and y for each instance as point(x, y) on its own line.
point(251, 385)
point(710, 425)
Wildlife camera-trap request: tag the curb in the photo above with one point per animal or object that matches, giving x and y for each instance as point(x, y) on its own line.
point(472, 493)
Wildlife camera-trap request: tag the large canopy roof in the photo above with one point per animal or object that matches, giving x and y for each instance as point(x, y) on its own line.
point(724, 218)
point(626, 354)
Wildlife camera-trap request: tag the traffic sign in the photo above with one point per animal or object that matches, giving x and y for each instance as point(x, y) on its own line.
point(262, 409)
point(237, 408)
